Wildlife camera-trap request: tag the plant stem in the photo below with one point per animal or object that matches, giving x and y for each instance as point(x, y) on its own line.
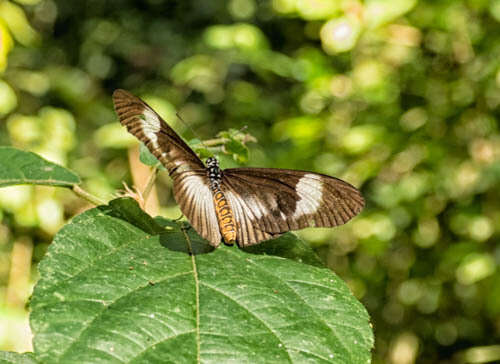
point(150, 183)
point(87, 196)
point(213, 142)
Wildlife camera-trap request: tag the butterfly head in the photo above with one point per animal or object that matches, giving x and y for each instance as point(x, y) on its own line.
point(212, 162)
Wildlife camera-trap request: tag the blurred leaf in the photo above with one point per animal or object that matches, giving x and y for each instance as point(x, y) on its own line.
point(114, 135)
point(28, 2)
point(317, 9)
point(50, 133)
point(302, 130)
point(200, 149)
point(146, 157)
point(166, 305)
point(360, 138)
point(21, 167)
point(36, 83)
point(164, 108)
point(340, 34)
point(243, 36)
point(8, 98)
point(73, 85)
point(495, 10)
point(6, 44)
point(200, 72)
point(475, 267)
point(378, 12)
point(15, 18)
point(61, 126)
point(237, 150)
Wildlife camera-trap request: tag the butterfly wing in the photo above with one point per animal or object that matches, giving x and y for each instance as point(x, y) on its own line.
point(191, 184)
point(193, 194)
point(147, 126)
point(268, 202)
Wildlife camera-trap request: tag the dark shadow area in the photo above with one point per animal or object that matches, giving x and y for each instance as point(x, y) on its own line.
point(287, 246)
point(170, 232)
point(174, 235)
point(128, 209)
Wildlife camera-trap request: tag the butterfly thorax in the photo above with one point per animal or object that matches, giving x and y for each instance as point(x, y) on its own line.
point(222, 208)
point(214, 173)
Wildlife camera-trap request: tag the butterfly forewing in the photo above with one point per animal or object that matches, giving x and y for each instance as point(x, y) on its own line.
point(268, 202)
point(191, 183)
point(144, 123)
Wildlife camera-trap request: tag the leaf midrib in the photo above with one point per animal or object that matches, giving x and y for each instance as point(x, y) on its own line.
point(197, 295)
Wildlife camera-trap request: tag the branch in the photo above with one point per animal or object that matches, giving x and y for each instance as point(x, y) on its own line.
point(87, 196)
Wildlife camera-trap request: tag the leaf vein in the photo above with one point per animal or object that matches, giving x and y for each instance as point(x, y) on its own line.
point(254, 314)
point(99, 314)
point(318, 315)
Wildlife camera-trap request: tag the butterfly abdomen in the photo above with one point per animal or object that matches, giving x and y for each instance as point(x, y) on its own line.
point(225, 216)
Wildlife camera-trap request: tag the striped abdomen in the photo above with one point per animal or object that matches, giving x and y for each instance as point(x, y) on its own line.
point(225, 216)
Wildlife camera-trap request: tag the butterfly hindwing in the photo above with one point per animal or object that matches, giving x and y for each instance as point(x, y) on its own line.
point(268, 202)
point(162, 141)
point(193, 194)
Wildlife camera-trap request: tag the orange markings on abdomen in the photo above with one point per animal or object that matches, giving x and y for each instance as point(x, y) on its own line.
point(225, 217)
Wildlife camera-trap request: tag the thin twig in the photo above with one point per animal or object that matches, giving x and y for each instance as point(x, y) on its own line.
point(150, 184)
point(87, 196)
point(216, 141)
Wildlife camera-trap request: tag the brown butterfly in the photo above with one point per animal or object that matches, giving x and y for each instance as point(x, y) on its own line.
point(243, 205)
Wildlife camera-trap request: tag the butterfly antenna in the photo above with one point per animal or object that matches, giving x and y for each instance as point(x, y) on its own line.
point(235, 132)
point(192, 130)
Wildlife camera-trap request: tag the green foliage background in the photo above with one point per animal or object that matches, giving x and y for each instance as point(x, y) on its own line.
point(400, 98)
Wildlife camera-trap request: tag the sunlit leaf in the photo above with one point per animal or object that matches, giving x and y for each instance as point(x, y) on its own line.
point(6, 44)
point(200, 72)
point(21, 167)
point(242, 36)
point(15, 18)
point(475, 267)
point(110, 268)
point(378, 12)
point(340, 34)
point(8, 99)
point(317, 9)
point(113, 135)
point(16, 358)
point(36, 83)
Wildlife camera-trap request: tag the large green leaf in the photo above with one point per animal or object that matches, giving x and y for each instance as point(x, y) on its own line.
point(22, 167)
point(114, 289)
point(7, 357)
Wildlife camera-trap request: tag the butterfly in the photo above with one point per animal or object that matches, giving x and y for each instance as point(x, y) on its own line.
point(242, 205)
